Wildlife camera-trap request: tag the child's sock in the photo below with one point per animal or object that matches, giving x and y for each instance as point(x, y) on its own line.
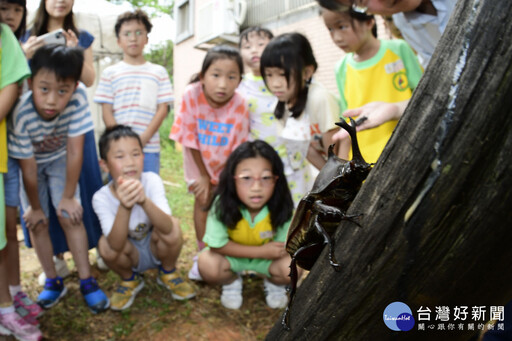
point(165, 271)
point(14, 289)
point(131, 278)
point(6, 308)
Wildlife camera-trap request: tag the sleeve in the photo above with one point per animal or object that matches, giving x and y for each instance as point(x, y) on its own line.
point(105, 209)
point(19, 142)
point(78, 107)
point(340, 75)
point(85, 39)
point(184, 128)
point(165, 91)
point(14, 64)
point(104, 91)
point(324, 109)
point(282, 232)
point(412, 65)
point(216, 234)
point(154, 188)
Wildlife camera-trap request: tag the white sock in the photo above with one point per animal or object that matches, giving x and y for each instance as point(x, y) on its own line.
point(7, 310)
point(14, 289)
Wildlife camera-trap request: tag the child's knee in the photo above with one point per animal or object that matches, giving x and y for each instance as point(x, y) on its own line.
point(212, 266)
point(106, 251)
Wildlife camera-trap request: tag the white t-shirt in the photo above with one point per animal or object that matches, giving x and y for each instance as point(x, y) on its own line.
point(105, 205)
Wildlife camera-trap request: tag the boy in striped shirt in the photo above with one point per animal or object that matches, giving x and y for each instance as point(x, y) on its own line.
point(135, 92)
point(47, 136)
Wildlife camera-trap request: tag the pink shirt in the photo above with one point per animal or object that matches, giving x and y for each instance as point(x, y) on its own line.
point(214, 132)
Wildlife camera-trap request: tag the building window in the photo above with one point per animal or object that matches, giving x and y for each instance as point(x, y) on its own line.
point(184, 14)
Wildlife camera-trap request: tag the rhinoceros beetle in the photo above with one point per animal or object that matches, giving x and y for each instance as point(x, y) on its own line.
point(321, 210)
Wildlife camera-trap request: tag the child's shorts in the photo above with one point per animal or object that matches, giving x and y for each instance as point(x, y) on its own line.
point(12, 183)
point(51, 176)
point(146, 258)
point(152, 162)
point(258, 265)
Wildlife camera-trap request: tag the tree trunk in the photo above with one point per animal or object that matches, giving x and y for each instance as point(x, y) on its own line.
point(437, 224)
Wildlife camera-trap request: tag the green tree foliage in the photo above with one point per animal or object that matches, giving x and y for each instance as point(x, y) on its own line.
point(156, 5)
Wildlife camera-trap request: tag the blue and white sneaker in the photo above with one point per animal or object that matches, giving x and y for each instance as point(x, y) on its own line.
point(53, 291)
point(95, 298)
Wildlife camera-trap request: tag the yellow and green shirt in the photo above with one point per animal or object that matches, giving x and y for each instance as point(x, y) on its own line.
point(247, 231)
point(389, 76)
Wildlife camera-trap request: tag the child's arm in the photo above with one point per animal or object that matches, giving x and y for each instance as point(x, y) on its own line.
point(160, 220)
point(34, 215)
point(270, 250)
point(161, 112)
point(74, 157)
point(200, 188)
point(8, 96)
point(108, 114)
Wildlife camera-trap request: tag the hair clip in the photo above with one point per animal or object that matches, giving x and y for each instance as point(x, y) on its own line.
point(359, 9)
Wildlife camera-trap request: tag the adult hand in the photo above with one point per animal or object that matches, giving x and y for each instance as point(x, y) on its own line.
point(73, 209)
point(31, 45)
point(71, 39)
point(376, 113)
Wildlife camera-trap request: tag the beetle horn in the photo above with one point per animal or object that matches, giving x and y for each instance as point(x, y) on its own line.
point(330, 151)
point(351, 130)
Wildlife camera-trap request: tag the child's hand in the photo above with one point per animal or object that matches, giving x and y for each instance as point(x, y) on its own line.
point(130, 192)
point(201, 189)
point(35, 218)
point(70, 208)
point(273, 250)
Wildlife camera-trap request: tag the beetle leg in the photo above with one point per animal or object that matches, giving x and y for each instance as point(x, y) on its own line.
point(328, 240)
point(324, 209)
point(285, 322)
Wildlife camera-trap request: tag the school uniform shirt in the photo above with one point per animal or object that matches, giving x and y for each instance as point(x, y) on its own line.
point(135, 91)
point(215, 132)
point(246, 232)
point(32, 136)
point(389, 76)
point(105, 205)
point(262, 104)
point(13, 69)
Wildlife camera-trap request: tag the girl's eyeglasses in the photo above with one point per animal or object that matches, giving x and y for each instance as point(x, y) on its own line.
point(248, 181)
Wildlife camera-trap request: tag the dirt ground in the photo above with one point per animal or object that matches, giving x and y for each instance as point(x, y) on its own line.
point(154, 314)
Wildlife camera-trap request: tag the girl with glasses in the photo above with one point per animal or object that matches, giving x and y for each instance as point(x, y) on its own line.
point(247, 226)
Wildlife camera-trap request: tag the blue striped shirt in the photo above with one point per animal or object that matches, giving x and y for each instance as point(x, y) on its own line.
point(31, 136)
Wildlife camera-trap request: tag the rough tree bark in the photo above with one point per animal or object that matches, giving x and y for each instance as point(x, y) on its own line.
point(437, 224)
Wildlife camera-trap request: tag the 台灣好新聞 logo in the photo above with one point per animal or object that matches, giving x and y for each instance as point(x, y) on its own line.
point(398, 316)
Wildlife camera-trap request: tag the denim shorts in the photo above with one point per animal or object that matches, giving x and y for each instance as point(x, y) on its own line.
point(51, 181)
point(152, 162)
point(12, 183)
point(147, 259)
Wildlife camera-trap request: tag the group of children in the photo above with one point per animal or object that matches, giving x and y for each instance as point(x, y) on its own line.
point(252, 144)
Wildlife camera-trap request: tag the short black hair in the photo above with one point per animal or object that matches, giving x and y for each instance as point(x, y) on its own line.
point(65, 62)
point(261, 31)
point(280, 204)
point(219, 52)
point(138, 15)
point(113, 134)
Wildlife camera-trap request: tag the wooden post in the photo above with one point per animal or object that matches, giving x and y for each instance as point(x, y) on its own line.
point(437, 225)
